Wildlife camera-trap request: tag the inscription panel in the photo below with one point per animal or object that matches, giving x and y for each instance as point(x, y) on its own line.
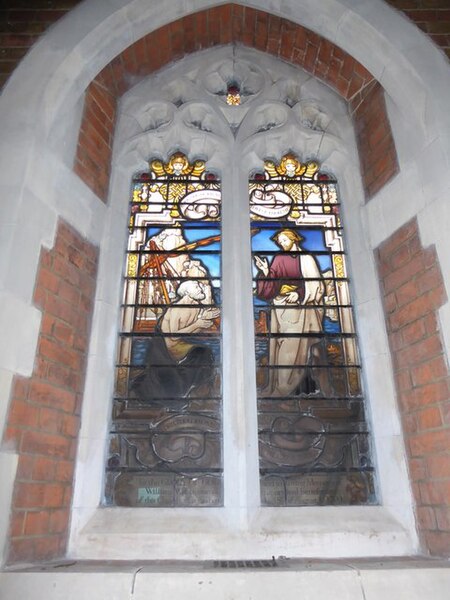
point(164, 490)
point(318, 489)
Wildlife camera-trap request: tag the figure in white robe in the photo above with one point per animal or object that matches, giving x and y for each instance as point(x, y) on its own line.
point(294, 284)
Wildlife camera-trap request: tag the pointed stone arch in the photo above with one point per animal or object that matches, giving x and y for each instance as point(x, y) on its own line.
point(249, 27)
point(42, 94)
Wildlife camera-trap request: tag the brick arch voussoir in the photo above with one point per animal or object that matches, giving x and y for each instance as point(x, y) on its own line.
point(235, 24)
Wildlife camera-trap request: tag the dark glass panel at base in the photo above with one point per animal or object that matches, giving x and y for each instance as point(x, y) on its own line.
point(163, 490)
point(179, 449)
point(307, 380)
point(175, 449)
point(160, 382)
point(311, 449)
point(318, 489)
point(134, 414)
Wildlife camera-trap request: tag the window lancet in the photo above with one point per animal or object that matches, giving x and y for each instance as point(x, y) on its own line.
point(314, 446)
point(165, 441)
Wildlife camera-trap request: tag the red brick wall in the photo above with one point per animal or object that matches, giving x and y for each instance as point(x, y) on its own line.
point(413, 291)
point(94, 150)
point(377, 153)
point(22, 22)
point(232, 23)
point(285, 40)
point(432, 16)
point(44, 413)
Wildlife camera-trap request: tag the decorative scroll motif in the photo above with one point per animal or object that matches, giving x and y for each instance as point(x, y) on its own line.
point(165, 443)
point(313, 437)
point(186, 195)
point(276, 201)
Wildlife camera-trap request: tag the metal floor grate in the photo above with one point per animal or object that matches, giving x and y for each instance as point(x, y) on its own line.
point(245, 564)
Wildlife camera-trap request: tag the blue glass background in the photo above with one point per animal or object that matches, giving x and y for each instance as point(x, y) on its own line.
point(313, 240)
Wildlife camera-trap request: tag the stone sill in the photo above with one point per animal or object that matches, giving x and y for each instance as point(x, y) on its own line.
point(281, 563)
point(410, 578)
point(204, 534)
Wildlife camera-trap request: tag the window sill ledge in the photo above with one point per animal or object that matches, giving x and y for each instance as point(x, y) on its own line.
point(412, 578)
point(219, 533)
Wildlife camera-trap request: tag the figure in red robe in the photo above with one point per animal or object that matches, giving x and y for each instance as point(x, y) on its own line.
point(294, 285)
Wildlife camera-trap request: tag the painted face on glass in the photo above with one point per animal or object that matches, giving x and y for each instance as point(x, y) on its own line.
point(177, 167)
point(284, 242)
point(196, 292)
point(290, 168)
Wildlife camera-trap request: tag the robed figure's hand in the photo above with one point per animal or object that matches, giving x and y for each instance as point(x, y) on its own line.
point(262, 265)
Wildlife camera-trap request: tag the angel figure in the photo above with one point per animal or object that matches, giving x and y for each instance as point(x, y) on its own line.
point(179, 168)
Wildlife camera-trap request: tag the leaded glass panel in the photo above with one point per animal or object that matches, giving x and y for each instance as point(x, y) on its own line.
point(314, 446)
point(165, 446)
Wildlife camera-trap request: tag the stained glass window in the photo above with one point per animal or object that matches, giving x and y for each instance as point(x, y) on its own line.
point(314, 446)
point(165, 439)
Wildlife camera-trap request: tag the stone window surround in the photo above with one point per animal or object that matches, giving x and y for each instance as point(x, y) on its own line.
point(378, 207)
point(239, 528)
